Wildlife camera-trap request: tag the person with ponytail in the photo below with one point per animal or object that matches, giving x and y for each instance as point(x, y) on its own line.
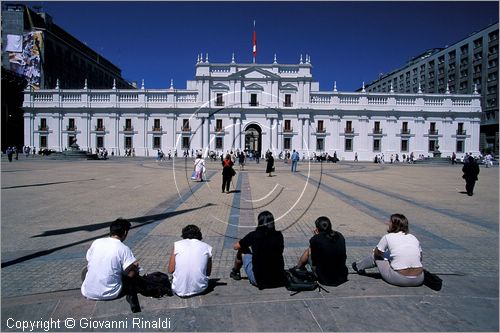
point(260, 253)
point(326, 254)
point(398, 256)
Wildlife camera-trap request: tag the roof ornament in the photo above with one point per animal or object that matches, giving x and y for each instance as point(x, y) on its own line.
point(363, 90)
point(475, 89)
point(301, 59)
point(307, 58)
point(198, 59)
point(142, 84)
point(335, 86)
point(57, 84)
point(391, 89)
point(114, 83)
point(419, 88)
point(274, 61)
point(447, 88)
point(171, 83)
point(206, 59)
point(85, 85)
point(232, 58)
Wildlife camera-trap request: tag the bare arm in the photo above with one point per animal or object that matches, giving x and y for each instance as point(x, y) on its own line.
point(304, 258)
point(171, 262)
point(377, 254)
point(237, 246)
point(132, 270)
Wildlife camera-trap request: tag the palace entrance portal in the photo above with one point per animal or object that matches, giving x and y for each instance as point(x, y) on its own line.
point(253, 138)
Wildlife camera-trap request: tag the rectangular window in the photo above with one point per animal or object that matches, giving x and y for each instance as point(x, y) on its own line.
point(376, 144)
point(460, 146)
point(320, 126)
point(157, 125)
point(253, 100)
point(218, 143)
point(218, 124)
point(71, 139)
point(432, 145)
point(128, 142)
point(100, 142)
point(320, 144)
point(156, 142)
point(185, 125)
point(219, 101)
point(71, 124)
point(43, 124)
point(43, 141)
point(376, 127)
point(348, 144)
point(288, 126)
point(460, 128)
point(185, 142)
point(287, 143)
point(432, 128)
point(348, 126)
point(128, 124)
point(288, 100)
point(404, 145)
point(404, 128)
point(100, 124)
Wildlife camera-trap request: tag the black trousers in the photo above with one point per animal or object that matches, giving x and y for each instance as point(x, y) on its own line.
point(226, 181)
point(469, 186)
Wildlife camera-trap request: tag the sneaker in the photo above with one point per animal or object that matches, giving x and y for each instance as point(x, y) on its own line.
point(235, 275)
point(133, 300)
point(355, 267)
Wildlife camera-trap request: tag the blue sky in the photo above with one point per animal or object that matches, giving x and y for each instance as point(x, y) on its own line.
point(348, 42)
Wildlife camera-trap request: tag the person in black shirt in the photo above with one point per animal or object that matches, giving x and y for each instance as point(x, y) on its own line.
point(261, 254)
point(326, 254)
point(470, 170)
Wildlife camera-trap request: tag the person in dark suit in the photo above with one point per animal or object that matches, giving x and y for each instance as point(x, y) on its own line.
point(470, 170)
point(270, 163)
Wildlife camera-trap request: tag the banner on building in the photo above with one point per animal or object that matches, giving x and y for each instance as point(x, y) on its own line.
point(28, 62)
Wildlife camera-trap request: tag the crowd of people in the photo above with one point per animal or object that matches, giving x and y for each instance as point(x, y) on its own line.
point(112, 270)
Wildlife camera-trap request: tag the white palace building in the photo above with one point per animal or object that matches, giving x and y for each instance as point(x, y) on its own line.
point(260, 107)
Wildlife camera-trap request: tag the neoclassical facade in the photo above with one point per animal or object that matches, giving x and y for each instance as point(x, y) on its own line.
point(259, 107)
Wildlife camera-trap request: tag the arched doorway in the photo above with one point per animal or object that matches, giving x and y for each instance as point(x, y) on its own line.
point(253, 138)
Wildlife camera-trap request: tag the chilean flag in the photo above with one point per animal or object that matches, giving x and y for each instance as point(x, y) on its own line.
point(254, 50)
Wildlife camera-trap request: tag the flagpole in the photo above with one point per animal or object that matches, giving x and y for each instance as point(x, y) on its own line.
point(254, 49)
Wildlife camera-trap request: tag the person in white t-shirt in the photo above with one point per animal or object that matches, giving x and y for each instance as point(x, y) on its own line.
point(398, 256)
point(112, 269)
point(190, 263)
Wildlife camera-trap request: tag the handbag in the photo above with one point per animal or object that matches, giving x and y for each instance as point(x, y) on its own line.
point(193, 175)
point(233, 172)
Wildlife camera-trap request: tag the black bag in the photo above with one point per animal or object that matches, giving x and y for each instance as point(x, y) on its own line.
point(156, 284)
point(432, 280)
point(233, 172)
point(298, 280)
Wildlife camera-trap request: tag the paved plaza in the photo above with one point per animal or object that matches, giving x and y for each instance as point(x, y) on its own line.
point(53, 209)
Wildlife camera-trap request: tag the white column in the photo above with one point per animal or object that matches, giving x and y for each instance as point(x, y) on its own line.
point(240, 134)
point(89, 127)
point(233, 140)
point(117, 134)
point(199, 132)
point(301, 133)
point(307, 124)
point(206, 132)
point(271, 145)
point(145, 136)
point(276, 135)
point(59, 132)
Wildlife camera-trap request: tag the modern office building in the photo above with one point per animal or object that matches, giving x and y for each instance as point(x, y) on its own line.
point(39, 53)
point(259, 107)
point(469, 64)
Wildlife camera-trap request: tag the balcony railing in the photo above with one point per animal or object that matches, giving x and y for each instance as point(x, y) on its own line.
point(287, 104)
point(289, 129)
point(218, 129)
point(100, 128)
point(219, 103)
point(377, 131)
point(186, 129)
point(405, 131)
point(320, 130)
point(349, 130)
point(433, 132)
point(43, 127)
point(70, 128)
point(461, 132)
point(128, 129)
point(157, 129)
point(254, 103)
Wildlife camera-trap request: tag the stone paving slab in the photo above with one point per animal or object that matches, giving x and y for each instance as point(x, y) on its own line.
point(52, 210)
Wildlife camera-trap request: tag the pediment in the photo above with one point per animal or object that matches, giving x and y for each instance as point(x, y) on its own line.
point(288, 86)
point(254, 73)
point(254, 86)
point(219, 86)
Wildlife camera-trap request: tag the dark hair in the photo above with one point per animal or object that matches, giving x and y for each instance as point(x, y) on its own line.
point(198, 156)
point(191, 232)
point(471, 159)
point(324, 226)
point(119, 227)
point(228, 157)
point(399, 222)
point(265, 222)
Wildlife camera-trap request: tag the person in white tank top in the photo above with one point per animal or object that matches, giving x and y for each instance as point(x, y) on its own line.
point(190, 263)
